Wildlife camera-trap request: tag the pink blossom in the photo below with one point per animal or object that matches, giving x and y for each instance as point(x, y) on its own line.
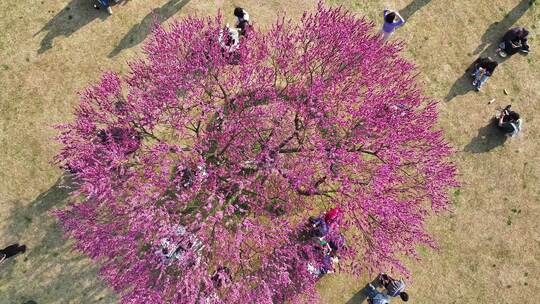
point(240, 148)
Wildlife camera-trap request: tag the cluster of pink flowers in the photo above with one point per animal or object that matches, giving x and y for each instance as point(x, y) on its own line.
point(308, 117)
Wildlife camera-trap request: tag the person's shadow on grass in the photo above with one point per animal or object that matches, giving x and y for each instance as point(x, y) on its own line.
point(70, 19)
point(463, 84)
point(412, 8)
point(361, 295)
point(488, 138)
point(139, 31)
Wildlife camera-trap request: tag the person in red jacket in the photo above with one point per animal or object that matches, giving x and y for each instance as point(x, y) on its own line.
point(331, 216)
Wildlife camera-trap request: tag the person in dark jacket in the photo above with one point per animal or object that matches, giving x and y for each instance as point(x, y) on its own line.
point(318, 226)
point(243, 20)
point(393, 287)
point(515, 40)
point(483, 69)
point(509, 122)
point(11, 250)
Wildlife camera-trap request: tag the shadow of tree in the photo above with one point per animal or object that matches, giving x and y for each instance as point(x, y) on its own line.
point(412, 8)
point(139, 31)
point(54, 272)
point(488, 138)
point(70, 19)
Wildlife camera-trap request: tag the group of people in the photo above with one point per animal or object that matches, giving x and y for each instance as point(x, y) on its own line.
point(323, 232)
point(229, 37)
point(509, 122)
point(393, 288)
point(175, 248)
point(515, 40)
point(321, 227)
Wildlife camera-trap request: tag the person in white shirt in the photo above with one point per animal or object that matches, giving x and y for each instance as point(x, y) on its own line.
point(229, 39)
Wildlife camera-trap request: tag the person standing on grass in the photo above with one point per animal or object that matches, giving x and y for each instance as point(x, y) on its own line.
point(394, 287)
point(392, 20)
point(11, 251)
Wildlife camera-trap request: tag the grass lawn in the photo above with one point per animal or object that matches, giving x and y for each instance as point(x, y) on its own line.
point(489, 244)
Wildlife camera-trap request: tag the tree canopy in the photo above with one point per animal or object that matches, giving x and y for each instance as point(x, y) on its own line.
point(196, 170)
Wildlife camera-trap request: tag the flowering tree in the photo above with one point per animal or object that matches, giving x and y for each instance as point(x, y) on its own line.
point(196, 170)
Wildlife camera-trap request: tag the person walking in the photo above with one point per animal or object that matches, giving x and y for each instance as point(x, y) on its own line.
point(392, 20)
